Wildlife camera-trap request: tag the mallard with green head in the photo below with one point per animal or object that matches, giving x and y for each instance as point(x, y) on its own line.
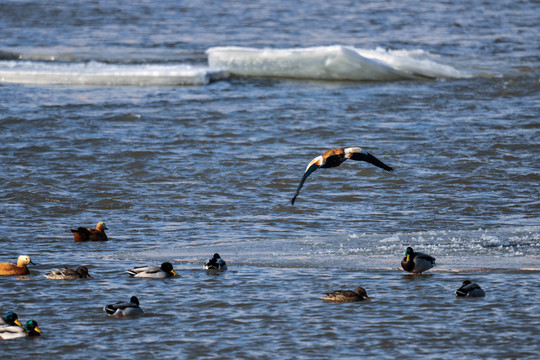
point(416, 262)
point(153, 271)
point(67, 273)
point(11, 319)
point(30, 329)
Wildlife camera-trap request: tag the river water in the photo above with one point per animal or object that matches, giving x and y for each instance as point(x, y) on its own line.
point(187, 126)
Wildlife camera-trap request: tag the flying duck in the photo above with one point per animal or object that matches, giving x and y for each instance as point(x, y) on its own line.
point(123, 308)
point(67, 273)
point(333, 158)
point(29, 329)
point(88, 234)
point(470, 289)
point(216, 263)
point(344, 296)
point(16, 269)
point(416, 262)
point(153, 271)
point(11, 319)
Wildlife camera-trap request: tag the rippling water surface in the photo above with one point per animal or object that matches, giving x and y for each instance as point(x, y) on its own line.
point(180, 172)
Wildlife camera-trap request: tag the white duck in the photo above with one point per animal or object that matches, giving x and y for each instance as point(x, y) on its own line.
point(152, 271)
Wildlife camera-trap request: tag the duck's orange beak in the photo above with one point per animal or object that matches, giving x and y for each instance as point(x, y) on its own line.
point(17, 322)
point(174, 272)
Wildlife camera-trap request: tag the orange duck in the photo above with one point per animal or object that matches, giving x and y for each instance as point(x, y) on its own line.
point(87, 234)
point(16, 269)
point(335, 157)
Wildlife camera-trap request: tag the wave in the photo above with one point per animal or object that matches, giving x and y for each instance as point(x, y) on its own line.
point(97, 73)
point(480, 250)
point(332, 63)
point(328, 63)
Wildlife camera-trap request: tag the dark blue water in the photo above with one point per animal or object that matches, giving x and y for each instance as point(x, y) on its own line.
point(112, 112)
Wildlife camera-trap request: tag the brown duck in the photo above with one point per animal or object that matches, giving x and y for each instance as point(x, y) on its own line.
point(335, 157)
point(88, 234)
point(16, 269)
point(67, 273)
point(344, 296)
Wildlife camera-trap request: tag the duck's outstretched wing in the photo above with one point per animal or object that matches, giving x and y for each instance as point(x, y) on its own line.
point(312, 166)
point(359, 154)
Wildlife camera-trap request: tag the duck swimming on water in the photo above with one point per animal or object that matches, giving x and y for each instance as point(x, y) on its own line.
point(153, 271)
point(16, 269)
point(335, 157)
point(124, 308)
point(416, 262)
point(343, 296)
point(470, 289)
point(67, 273)
point(11, 319)
point(12, 332)
point(216, 263)
point(89, 234)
